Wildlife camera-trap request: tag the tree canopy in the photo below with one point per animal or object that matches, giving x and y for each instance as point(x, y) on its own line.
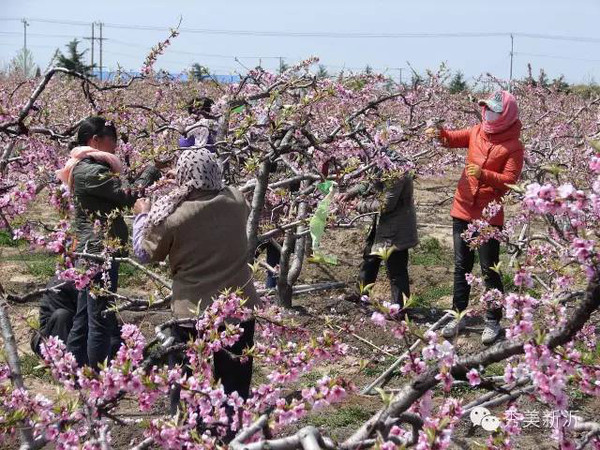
point(74, 59)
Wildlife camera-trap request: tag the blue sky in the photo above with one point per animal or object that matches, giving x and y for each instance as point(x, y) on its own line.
point(579, 61)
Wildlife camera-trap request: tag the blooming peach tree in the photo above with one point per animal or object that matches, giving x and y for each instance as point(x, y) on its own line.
point(281, 138)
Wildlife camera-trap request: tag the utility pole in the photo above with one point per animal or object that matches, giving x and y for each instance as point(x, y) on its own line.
point(93, 40)
point(399, 75)
point(512, 52)
point(280, 64)
point(101, 39)
point(25, 25)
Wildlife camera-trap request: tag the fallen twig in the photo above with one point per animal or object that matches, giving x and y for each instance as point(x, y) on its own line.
point(382, 379)
point(306, 288)
point(490, 395)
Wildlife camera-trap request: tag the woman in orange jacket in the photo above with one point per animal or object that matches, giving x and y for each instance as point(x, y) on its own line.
point(494, 160)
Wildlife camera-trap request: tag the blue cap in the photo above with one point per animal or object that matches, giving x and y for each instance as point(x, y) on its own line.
point(493, 102)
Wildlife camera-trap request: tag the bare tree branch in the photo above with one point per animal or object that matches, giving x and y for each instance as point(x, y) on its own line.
point(133, 262)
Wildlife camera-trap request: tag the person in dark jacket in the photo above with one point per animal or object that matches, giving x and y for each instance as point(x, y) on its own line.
point(395, 226)
point(99, 194)
point(57, 309)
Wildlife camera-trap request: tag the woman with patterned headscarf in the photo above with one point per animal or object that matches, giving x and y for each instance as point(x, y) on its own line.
point(201, 227)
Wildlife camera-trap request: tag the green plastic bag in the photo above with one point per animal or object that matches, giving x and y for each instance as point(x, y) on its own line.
point(318, 222)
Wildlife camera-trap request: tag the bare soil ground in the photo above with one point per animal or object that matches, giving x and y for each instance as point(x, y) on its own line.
point(431, 283)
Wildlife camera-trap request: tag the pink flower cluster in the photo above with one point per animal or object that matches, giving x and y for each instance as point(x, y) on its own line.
point(491, 210)
point(437, 430)
point(549, 199)
point(81, 277)
point(549, 375)
point(519, 310)
point(15, 202)
point(480, 231)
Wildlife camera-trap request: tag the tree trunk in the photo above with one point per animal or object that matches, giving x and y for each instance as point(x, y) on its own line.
point(258, 203)
point(284, 287)
point(300, 246)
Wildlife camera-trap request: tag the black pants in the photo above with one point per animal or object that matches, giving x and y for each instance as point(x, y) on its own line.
point(57, 310)
point(59, 324)
point(95, 336)
point(273, 256)
point(233, 374)
point(464, 258)
point(397, 269)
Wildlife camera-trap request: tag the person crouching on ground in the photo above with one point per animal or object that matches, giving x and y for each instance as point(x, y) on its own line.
point(57, 309)
point(494, 160)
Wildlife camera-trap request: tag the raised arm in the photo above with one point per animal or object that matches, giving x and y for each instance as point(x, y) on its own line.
point(139, 225)
point(392, 192)
point(455, 138)
point(149, 176)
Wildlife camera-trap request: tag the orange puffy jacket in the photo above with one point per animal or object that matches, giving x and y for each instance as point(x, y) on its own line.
point(500, 156)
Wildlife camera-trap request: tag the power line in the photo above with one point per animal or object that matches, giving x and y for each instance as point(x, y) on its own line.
point(558, 37)
point(164, 59)
point(543, 55)
point(40, 35)
point(302, 33)
point(169, 60)
point(29, 45)
point(267, 33)
point(59, 22)
point(327, 34)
